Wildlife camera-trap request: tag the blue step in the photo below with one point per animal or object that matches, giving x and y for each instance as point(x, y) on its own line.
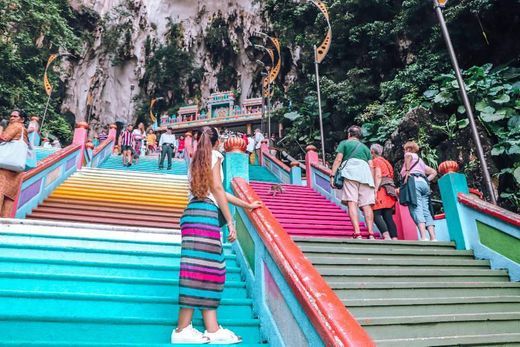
point(95, 244)
point(61, 290)
point(101, 344)
point(261, 174)
point(109, 306)
point(146, 164)
point(137, 258)
point(46, 265)
point(73, 329)
point(104, 285)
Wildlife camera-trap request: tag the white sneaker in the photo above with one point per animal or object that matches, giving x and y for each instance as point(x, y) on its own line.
point(223, 337)
point(189, 335)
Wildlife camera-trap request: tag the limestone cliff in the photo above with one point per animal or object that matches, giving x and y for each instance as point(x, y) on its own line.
point(111, 88)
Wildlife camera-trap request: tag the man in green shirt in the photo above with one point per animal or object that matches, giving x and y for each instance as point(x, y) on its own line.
point(358, 187)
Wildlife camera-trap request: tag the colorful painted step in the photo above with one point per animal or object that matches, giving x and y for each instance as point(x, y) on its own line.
point(261, 174)
point(107, 197)
point(303, 212)
point(61, 289)
point(146, 164)
point(412, 293)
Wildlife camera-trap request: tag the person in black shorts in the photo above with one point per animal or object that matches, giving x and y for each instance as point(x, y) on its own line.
point(126, 140)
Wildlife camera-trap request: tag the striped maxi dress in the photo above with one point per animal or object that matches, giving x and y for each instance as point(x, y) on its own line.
point(203, 268)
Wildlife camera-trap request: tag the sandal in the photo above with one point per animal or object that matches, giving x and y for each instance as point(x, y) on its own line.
point(371, 237)
point(357, 236)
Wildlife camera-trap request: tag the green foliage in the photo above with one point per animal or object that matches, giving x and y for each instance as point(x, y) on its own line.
point(386, 54)
point(30, 30)
point(118, 31)
point(168, 71)
point(495, 94)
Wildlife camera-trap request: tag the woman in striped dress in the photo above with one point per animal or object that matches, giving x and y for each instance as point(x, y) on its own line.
point(203, 269)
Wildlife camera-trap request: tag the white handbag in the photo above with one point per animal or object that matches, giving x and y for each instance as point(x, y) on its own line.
point(13, 155)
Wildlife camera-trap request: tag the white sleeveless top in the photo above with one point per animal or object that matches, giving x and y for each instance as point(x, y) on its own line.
point(215, 156)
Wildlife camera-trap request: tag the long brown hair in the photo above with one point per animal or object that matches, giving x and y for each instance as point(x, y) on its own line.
point(201, 178)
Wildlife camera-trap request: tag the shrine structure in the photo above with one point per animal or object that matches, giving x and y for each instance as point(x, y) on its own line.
point(221, 112)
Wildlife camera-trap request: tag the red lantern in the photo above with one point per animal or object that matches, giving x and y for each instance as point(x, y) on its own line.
point(235, 144)
point(448, 166)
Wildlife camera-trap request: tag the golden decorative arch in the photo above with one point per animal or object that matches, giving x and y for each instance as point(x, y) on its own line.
point(323, 48)
point(276, 69)
point(46, 83)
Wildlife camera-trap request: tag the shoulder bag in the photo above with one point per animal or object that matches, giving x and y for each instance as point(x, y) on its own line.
point(407, 192)
point(13, 155)
point(338, 178)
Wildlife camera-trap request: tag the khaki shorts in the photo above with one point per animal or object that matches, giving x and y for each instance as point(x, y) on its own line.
point(357, 192)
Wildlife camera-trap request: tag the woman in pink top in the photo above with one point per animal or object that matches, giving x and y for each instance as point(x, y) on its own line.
point(415, 168)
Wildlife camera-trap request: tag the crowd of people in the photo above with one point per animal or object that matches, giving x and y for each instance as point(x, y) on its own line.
point(368, 184)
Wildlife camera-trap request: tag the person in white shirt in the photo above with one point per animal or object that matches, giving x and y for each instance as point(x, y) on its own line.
point(250, 144)
point(167, 145)
point(259, 137)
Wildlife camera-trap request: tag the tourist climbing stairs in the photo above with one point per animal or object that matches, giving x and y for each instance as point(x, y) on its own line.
point(404, 293)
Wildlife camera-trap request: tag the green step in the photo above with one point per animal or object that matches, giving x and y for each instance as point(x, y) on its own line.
point(398, 272)
point(384, 262)
point(353, 243)
point(60, 328)
point(370, 308)
point(351, 290)
point(104, 285)
point(421, 327)
point(507, 339)
point(109, 306)
point(374, 251)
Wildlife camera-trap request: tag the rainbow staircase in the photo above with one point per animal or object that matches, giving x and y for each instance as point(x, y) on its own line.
point(103, 196)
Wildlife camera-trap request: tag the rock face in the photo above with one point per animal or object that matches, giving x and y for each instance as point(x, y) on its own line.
point(97, 86)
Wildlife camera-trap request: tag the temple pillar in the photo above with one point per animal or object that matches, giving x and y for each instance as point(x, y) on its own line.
point(310, 158)
point(80, 138)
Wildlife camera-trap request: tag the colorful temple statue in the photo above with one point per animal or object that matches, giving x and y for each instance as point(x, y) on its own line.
point(189, 113)
point(220, 104)
point(165, 119)
point(253, 106)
